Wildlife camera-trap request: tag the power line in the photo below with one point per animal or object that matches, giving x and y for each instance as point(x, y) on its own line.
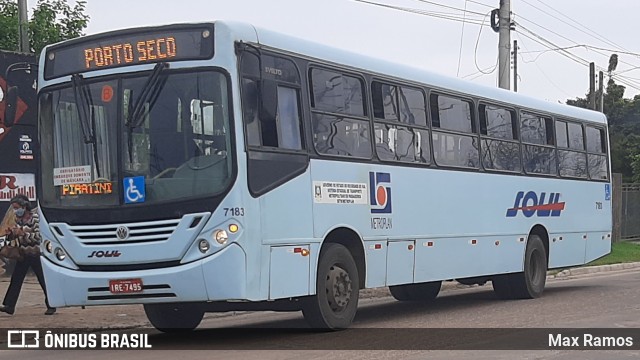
point(548, 44)
point(483, 4)
point(591, 47)
point(576, 58)
point(594, 48)
point(533, 36)
point(448, 7)
point(446, 16)
point(461, 38)
point(540, 69)
point(593, 34)
point(475, 52)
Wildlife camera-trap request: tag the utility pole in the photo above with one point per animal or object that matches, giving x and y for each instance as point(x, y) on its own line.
point(601, 92)
point(592, 86)
point(504, 44)
point(23, 24)
point(515, 65)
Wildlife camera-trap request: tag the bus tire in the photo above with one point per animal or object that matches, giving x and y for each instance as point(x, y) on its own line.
point(530, 283)
point(427, 291)
point(337, 286)
point(174, 317)
point(399, 292)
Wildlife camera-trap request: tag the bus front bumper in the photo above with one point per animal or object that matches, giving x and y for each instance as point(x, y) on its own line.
point(221, 276)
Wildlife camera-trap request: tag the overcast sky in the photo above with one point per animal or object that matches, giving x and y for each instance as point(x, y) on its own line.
point(455, 46)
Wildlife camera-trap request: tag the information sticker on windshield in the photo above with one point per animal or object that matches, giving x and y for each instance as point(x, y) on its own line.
point(72, 175)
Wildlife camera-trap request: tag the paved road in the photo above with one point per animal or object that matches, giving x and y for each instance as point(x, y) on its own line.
point(602, 300)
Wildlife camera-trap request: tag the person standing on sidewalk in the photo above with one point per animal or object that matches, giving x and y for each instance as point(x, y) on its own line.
point(27, 234)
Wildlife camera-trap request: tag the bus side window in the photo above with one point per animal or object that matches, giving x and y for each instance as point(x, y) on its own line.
point(597, 150)
point(250, 111)
point(288, 119)
point(539, 153)
point(454, 143)
point(338, 114)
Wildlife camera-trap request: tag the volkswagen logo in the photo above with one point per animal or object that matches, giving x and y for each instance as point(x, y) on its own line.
point(122, 232)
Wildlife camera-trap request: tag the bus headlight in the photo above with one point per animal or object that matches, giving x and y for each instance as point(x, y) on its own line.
point(203, 246)
point(48, 246)
point(221, 236)
point(60, 254)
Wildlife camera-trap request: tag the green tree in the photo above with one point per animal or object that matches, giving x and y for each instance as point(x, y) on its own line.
point(51, 21)
point(624, 127)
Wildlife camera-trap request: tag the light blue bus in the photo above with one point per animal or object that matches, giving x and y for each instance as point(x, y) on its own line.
point(216, 166)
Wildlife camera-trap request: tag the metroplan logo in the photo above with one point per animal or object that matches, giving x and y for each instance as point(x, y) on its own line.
point(380, 192)
point(531, 204)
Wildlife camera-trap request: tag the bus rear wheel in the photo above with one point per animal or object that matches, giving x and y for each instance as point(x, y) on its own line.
point(174, 317)
point(530, 283)
point(337, 286)
point(416, 292)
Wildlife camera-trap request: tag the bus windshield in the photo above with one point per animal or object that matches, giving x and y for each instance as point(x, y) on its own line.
point(143, 138)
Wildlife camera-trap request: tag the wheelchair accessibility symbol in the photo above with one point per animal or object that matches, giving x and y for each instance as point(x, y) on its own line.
point(134, 190)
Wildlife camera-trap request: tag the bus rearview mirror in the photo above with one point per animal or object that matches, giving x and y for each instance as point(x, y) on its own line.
point(11, 104)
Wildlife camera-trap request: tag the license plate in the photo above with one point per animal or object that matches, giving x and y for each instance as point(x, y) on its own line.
point(125, 286)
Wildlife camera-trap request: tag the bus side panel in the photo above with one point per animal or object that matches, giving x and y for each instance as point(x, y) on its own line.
point(597, 245)
point(455, 258)
point(376, 258)
point(566, 249)
point(331, 205)
point(289, 272)
point(286, 220)
point(286, 214)
point(400, 262)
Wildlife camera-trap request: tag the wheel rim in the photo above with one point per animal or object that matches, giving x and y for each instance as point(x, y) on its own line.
point(338, 288)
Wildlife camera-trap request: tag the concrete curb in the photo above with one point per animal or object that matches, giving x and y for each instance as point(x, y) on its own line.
point(585, 270)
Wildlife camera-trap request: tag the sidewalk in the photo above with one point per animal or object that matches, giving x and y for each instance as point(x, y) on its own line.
point(30, 309)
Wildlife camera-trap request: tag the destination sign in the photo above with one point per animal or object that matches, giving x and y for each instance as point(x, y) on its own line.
point(124, 48)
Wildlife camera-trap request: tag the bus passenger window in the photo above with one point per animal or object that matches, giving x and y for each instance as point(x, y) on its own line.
point(450, 113)
point(596, 154)
point(500, 147)
point(539, 154)
point(454, 146)
point(288, 119)
point(250, 111)
point(412, 107)
point(572, 160)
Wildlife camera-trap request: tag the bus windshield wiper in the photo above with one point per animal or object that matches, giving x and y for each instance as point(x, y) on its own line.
point(84, 102)
point(150, 92)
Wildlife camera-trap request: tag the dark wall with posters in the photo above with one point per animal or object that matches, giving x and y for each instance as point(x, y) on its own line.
point(18, 144)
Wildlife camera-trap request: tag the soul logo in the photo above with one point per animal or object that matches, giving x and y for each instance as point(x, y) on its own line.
point(532, 204)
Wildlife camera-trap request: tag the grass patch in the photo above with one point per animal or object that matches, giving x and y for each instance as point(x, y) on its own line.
point(621, 252)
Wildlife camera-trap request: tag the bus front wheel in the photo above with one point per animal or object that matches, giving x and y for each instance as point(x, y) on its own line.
point(174, 317)
point(337, 286)
point(530, 283)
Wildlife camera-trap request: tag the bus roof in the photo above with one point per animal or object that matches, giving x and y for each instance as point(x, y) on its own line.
point(303, 47)
point(268, 38)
